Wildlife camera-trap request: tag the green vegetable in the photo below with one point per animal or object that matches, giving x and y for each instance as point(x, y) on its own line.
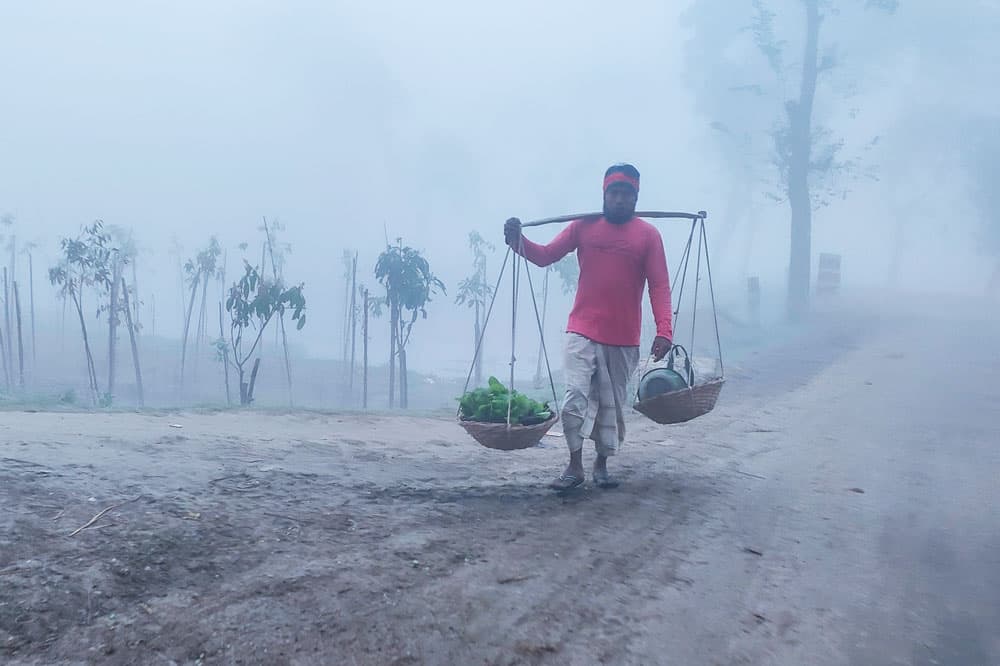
point(490, 405)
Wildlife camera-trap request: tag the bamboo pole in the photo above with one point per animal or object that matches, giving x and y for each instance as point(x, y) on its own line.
point(653, 214)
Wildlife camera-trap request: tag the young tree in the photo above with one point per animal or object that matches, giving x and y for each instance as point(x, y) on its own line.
point(252, 303)
point(28, 250)
point(406, 276)
point(122, 254)
point(746, 98)
point(199, 272)
point(85, 263)
point(475, 292)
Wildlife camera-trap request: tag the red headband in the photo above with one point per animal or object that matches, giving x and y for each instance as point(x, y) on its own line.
point(619, 177)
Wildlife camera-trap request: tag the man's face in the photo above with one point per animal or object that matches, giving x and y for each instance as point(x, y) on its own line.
point(619, 202)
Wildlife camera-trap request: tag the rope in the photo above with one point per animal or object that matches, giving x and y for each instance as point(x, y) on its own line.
point(515, 279)
point(516, 284)
point(682, 268)
point(697, 283)
point(711, 289)
point(541, 335)
point(482, 333)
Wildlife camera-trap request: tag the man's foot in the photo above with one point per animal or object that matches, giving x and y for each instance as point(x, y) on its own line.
point(571, 478)
point(601, 476)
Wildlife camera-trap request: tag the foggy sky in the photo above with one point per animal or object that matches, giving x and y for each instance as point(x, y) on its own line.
point(350, 121)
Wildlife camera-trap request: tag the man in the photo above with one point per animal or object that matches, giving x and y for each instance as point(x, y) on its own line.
point(618, 255)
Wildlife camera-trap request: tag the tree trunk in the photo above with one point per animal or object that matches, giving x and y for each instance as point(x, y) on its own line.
point(3, 355)
point(113, 327)
point(393, 341)
point(126, 305)
point(243, 386)
point(364, 344)
point(225, 356)
point(187, 325)
point(31, 295)
point(135, 297)
point(347, 318)
point(91, 370)
point(799, 200)
point(253, 380)
point(62, 328)
point(6, 317)
point(404, 398)
point(200, 330)
point(288, 363)
point(20, 339)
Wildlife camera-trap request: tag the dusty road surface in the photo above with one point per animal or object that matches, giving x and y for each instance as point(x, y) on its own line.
point(839, 507)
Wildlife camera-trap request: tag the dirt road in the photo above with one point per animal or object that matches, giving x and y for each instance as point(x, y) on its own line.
point(839, 507)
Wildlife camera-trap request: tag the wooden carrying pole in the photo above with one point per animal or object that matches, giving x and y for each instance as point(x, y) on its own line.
point(653, 214)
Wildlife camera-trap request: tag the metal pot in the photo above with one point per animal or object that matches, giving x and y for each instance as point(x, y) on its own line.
point(659, 381)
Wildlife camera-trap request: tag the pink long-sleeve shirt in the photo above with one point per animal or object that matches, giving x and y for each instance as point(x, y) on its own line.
point(616, 263)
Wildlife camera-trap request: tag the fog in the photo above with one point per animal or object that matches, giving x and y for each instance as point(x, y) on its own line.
point(356, 123)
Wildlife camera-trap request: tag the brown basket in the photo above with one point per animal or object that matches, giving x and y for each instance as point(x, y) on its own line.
point(507, 438)
point(683, 405)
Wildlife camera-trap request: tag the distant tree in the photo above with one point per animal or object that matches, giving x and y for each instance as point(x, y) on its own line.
point(739, 94)
point(198, 272)
point(9, 275)
point(276, 251)
point(474, 292)
point(252, 303)
point(85, 263)
point(409, 283)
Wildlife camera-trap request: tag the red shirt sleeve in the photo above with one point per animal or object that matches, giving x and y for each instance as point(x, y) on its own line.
point(545, 255)
point(658, 279)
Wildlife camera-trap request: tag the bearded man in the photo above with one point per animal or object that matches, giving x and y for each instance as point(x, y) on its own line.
point(619, 255)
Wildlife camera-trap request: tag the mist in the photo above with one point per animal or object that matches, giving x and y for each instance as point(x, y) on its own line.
point(353, 125)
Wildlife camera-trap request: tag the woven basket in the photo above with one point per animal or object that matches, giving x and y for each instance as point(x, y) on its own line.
point(508, 438)
point(683, 405)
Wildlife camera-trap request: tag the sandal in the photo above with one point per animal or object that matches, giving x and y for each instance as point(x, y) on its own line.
point(604, 480)
point(566, 482)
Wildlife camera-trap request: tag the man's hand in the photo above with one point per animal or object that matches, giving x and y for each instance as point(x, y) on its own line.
point(661, 346)
point(512, 231)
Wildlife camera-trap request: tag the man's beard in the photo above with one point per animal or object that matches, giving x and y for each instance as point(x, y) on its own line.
point(618, 218)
